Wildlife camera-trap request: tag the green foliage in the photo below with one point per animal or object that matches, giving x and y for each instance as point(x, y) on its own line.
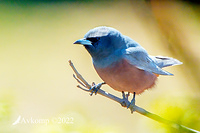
point(184, 111)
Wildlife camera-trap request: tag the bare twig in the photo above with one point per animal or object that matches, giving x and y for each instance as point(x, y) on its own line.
point(124, 102)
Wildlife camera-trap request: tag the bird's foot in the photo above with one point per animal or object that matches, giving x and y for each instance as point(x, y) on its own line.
point(132, 104)
point(95, 88)
point(125, 99)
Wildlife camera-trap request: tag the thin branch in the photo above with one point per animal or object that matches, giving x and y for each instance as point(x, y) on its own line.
point(78, 75)
point(124, 102)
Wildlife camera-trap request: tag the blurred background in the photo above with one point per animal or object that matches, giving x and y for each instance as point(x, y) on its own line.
point(36, 83)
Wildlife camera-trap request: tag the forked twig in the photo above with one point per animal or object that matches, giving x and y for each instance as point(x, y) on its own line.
point(125, 103)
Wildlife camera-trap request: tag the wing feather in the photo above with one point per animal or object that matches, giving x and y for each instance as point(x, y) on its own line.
point(138, 57)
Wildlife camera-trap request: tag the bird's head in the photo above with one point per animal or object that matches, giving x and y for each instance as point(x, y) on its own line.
point(101, 41)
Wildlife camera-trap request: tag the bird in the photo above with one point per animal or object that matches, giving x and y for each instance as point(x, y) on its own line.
point(121, 62)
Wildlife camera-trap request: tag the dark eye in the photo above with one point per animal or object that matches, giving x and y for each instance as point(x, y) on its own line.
point(94, 40)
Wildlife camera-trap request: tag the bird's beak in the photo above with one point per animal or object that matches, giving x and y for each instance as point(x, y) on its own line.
point(83, 42)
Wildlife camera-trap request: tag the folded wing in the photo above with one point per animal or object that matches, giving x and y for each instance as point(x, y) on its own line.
point(138, 57)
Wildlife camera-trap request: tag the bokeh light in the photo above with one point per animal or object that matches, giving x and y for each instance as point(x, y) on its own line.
point(36, 83)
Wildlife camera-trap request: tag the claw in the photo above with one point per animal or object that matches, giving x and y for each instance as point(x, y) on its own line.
point(93, 83)
point(125, 99)
point(132, 104)
point(127, 95)
point(95, 88)
point(123, 103)
point(123, 95)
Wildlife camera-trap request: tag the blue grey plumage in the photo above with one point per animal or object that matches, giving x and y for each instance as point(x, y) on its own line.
point(121, 62)
point(112, 46)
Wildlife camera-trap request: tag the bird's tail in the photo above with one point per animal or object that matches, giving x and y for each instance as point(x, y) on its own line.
point(162, 61)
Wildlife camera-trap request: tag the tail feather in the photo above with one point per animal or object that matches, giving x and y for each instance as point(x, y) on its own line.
point(162, 61)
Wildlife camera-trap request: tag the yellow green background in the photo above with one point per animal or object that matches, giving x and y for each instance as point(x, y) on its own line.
point(36, 42)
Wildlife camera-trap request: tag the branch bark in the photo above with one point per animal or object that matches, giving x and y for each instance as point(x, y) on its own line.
point(125, 102)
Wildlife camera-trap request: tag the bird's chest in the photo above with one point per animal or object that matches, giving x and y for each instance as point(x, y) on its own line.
point(123, 76)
